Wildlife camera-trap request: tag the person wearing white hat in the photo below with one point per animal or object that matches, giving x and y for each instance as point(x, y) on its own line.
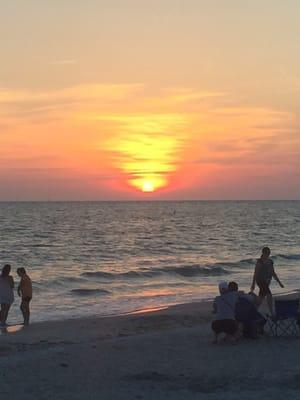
point(224, 308)
point(223, 287)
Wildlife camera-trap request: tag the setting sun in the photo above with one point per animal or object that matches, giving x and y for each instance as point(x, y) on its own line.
point(148, 187)
point(138, 116)
point(145, 147)
point(148, 150)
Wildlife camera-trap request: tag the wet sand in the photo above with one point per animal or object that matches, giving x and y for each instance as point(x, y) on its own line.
point(150, 355)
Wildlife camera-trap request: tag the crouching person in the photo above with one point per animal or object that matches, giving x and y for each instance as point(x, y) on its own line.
point(224, 308)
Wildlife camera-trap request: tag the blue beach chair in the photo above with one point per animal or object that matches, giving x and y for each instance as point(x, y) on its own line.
point(286, 320)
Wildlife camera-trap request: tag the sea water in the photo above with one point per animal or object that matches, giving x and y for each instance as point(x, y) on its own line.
point(103, 258)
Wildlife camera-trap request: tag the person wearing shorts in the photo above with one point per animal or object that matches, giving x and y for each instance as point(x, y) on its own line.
point(227, 326)
point(224, 308)
point(25, 291)
point(263, 274)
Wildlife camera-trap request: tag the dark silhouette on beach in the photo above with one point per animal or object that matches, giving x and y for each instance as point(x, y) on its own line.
point(263, 274)
point(6, 293)
point(25, 291)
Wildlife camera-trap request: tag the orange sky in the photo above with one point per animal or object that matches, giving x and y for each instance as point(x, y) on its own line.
point(185, 100)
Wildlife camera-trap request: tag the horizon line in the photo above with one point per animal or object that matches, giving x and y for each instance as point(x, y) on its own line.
point(144, 201)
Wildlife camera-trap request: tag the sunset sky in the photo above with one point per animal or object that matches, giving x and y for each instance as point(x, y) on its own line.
point(149, 99)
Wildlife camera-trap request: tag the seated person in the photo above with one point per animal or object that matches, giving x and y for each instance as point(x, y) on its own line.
point(246, 312)
point(224, 308)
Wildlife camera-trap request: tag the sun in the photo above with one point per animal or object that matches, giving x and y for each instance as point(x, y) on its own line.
point(148, 183)
point(148, 186)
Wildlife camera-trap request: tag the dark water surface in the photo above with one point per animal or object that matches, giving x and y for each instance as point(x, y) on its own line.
point(112, 257)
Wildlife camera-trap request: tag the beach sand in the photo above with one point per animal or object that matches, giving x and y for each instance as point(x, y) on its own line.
point(162, 354)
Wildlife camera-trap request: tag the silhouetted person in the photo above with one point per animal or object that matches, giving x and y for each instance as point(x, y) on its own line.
point(25, 291)
point(250, 320)
point(6, 293)
point(263, 274)
point(224, 308)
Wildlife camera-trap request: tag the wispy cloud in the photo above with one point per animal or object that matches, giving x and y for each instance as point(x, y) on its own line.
point(145, 146)
point(144, 138)
point(171, 97)
point(80, 92)
point(20, 104)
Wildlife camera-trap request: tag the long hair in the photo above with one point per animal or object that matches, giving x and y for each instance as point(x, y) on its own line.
point(21, 270)
point(5, 270)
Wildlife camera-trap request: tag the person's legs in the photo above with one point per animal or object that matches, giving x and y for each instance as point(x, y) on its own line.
point(265, 292)
point(260, 300)
point(215, 327)
point(4, 313)
point(25, 311)
point(1, 313)
point(269, 298)
point(230, 328)
point(234, 335)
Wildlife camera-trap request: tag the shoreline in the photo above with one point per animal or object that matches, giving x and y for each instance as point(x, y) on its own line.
point(140, 311)
point(159, 354)
point(135, 322)
point(177, 315)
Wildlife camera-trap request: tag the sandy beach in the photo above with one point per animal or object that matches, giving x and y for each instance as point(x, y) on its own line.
point(157, 354)
point(149, 164)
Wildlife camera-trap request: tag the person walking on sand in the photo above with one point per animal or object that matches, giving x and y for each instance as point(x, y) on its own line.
point(263, 274)
point(6, 293)
point(25, 291)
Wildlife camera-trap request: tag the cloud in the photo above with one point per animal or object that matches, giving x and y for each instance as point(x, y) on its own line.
point(17, 105)
point(144, 146)
point(79, 92)
point(27, 161)
point(136, 136)
point(85, 99)
point(172, 97)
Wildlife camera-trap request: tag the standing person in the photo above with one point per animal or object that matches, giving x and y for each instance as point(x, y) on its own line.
point(6, 293)
point(25, 291)
point(263, 274)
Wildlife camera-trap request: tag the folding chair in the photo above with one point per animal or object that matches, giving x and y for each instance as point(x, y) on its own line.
point(286, 320)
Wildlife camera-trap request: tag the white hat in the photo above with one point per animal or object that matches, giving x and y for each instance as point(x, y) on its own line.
point(223, 286)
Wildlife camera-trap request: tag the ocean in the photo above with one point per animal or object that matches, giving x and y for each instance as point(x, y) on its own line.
point(106, 258)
